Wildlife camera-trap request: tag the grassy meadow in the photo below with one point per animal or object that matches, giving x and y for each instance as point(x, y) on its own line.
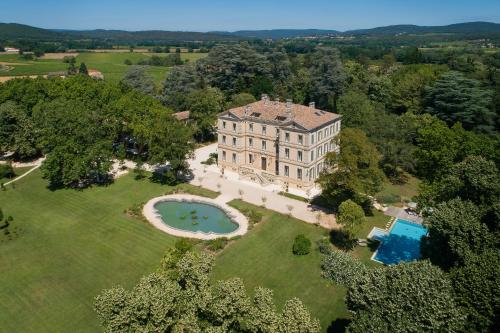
point(68, 245)
point(111, 64)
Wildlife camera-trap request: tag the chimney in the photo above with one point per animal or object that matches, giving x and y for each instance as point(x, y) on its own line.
point(265, 98)
point(289, 107)
point(247, 111)
point(312, 105)
point(276, 100)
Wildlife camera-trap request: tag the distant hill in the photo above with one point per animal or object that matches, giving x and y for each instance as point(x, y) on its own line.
point(10, 31)
point(279, 33)
point(14, 31)
point(156, 35)
point(460, 28)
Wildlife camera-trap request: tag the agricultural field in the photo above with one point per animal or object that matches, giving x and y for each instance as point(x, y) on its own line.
point(110, 64)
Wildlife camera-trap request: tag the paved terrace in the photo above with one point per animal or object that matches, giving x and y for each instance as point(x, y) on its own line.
point(231, 186)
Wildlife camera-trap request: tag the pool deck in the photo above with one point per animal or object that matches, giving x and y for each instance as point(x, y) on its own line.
point(156, 220)
point(403, 214)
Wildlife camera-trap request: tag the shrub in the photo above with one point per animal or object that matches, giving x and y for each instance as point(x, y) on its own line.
point(217, 244)
point(324, 246)
point(342, 268)
point(6, 171)
point(301, 245)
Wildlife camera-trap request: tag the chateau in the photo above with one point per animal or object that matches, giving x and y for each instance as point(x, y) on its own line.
point(275, 142)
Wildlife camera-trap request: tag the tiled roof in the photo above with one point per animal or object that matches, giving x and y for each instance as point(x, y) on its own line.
point(305, 116)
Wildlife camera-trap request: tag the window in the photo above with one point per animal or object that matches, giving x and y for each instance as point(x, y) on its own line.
point(287, 153)
point(224, 139)
point(287, 137)
point(312, 155)
point(299, 173)
point(312, 139)
point(320, 151)
point(250, 158)
point(263, 145)
point(263, 130)
point(319, 136)
point(300, 139)
point(234, 157)
point(234, 127)
point(250, 142)
point(326, 132)
point(278, 133)
point(287, 171)
point(223, 155)
point(325, 149)
point(234, 142)
point(299, 156)
point(250, 127)
point(224, 124)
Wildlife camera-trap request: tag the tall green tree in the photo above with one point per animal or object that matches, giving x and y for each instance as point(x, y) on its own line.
point(179, 83)
point(205, 105)
point(328, 77)
point(186, 301)
point(353, 170)
point(137, 78)
point(17, 131)
point(455, 232)
point(455, 98)
point(351, 217)
point(83, 69)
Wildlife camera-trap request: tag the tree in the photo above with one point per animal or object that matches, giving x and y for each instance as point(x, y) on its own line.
point(236, 68)
point(204, 105)
point(179, 83)
point(476, 286)
point(353, 170)
point(17, 131)
point(241, 100)
point(356, 110)
point(186, 301)
point(83, 69)
point(455, 98)
point(328, 77)
point(137, 78)
point(455, 232)
point(474, 179)
point(351, 217)
point(409, 297)
point(77, 154)
point(409, 84)
point(342, 268)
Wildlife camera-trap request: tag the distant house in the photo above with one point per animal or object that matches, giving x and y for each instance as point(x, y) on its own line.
point(183, 116)
point(94, 73)
point(11, 50)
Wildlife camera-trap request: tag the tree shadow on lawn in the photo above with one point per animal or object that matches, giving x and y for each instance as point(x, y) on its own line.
point(339, 325)
point(341, 240)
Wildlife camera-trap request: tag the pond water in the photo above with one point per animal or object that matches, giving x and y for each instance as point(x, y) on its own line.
point(195, 216)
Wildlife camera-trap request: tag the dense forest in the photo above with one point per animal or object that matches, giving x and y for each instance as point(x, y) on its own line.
point(429, 112)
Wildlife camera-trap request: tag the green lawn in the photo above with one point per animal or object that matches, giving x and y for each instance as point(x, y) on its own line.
point(264, 257)
point(69, 245)
point(111, 64)
point(17, 171)
point(395, 195)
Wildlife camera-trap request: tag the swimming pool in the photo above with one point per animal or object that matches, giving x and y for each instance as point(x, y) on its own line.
point(402, 243)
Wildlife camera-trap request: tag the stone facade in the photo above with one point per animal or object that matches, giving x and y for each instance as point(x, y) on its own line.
point(274, 142)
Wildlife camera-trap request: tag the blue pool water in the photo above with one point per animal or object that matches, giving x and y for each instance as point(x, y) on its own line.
point(401, 244)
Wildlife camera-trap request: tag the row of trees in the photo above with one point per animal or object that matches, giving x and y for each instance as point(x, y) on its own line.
point(179, 297)
point(82, 125)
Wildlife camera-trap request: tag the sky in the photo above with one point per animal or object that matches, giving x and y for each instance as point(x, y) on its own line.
point(227, 15)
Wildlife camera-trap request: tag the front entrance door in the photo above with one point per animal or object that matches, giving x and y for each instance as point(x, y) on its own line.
point(264, 163)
